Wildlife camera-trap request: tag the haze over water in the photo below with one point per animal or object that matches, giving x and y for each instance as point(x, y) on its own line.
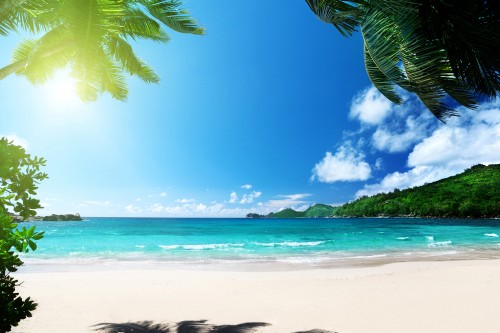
point(295, 242)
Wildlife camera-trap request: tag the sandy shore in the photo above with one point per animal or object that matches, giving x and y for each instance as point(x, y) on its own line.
point(430, 297)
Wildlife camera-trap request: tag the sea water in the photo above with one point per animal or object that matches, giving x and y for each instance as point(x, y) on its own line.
point(311, 242)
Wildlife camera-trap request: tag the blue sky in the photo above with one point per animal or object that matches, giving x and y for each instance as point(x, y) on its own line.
point(270, 109)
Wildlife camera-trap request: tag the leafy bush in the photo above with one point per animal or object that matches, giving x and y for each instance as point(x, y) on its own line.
point(19, 177)
point(474, 193)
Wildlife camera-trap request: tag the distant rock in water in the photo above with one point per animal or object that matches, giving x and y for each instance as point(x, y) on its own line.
point(62, 217)
point(254, 216)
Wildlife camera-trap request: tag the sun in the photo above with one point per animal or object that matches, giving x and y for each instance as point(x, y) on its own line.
point(59, 93)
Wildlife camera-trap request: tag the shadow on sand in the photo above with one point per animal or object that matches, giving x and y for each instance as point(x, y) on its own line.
point(187, 326)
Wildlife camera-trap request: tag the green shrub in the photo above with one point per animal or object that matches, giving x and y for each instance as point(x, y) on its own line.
point(19, 177)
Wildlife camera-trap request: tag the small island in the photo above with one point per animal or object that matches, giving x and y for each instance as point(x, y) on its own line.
point(475, 193)
point(62, 217)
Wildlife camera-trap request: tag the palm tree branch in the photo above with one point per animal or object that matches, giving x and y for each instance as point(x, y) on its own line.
point(168, 13)
point(379, 79)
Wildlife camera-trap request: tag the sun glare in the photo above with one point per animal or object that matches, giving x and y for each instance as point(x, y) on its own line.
point(59, 93)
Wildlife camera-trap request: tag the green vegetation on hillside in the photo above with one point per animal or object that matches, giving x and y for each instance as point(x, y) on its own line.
point(318, 210)
point(473, 193)
point(63, 217)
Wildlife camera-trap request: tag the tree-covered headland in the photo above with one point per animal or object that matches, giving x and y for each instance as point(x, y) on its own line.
point(474, 193)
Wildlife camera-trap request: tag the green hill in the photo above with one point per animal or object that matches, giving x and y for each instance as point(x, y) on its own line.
point(474, 193)
point(285, 214)
point(319, 210)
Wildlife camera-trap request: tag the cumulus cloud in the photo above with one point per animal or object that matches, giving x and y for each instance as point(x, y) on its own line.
point(345, 165)
point(399, 136)
point(233, 197)
point(133, 209)
point(163, 194)
point(396, 128)
point(471, 140)
point(370, 107)
point(401, 180)
point(246, 186)
point(185, 200)
point(465, 141)
point(213, 209)
point(249, 198)
point(287, 201)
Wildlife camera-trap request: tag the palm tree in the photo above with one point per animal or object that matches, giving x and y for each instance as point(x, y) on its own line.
point(441, 50)
point(91, 37)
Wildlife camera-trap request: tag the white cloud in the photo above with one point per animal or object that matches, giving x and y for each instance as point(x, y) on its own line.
point(247, 199)
point(246, 186)
point(396, 137)
point(233, 197)
point(473, 138)
point(18, 141)
point(397, 127)
point(346, 165)
point(401, 180)
point(460, 146)
point(185, 200)
point(286, 201)
point(198, 210)
point(370, 107)
point(157, 208)
point(190, 208)
point(163, 194)
point(133, 209)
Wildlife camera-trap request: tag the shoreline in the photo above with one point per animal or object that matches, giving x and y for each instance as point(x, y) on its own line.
point(425, 296)
point(264, 264)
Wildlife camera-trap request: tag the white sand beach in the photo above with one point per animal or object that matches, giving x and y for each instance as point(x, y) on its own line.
point(430, 297)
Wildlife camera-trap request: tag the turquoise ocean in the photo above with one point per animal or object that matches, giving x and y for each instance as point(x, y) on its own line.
point(291, 242)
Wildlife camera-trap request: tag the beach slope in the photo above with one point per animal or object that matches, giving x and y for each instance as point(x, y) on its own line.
point(431, 297)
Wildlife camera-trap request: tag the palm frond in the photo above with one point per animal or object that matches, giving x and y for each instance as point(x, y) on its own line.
point(437, 49)
point(382, 39)
point(379, 79)
point(468, 33)
point(136, 25)
point(91, 38)
point(41, 58)
point(113, 81)
point(123, 52)
point(168, 12)
point(345, 16)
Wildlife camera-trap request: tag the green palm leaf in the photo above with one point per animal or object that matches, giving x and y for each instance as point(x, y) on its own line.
point(91, 37)
point(437, 49)
point(168, 12)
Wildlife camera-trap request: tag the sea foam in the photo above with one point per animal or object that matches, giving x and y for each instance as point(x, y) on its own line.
point(290, 244)
point(491, 235)
point(199, 247)
point(440, 244)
